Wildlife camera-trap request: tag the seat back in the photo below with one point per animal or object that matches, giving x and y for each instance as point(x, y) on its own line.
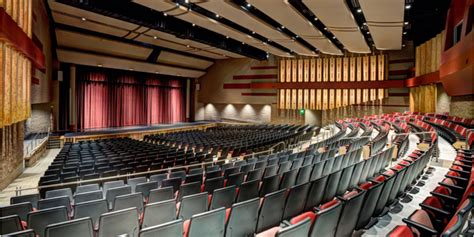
point(55, 202)
point(145, 188)
point(255, 174)
point(365, 170)
point(74, 228)
point(223, 197)
point(129, 200)
point(168, 229)
point(383, 198)
point(87, 188)
point(315, 193)
point(345, 180)
point(215, 183)
point(370, 201)
point(317, 171)
point(158, 178)
point(296, 200)
point(134, 181)
point(20, 209)
point(175, 183)
point(210, 223)
point(304, 174)
point(327, 219)
point(192, 204)
point(352, 206)
point(119, 223)
point(92, 209)
point(10, 224)
point(270, 170)
point(191, 178)
point(331, 187)
point(59, 193)
point(31, 198)
point(161, 194)
point(22, 233)
point(38, 220)
point(243, 218)
point(114, 192)
point(328, 166)
point(158, 213)
point(271, 211)
point(235, 179)
point(112, 184)
point(299, 229)
point(284, 167)
point(269, 185)
point(288, 179)
point(189, 189)
point(248, 190)
point(88, 196)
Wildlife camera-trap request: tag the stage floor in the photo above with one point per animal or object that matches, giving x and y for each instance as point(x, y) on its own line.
point(101, 131)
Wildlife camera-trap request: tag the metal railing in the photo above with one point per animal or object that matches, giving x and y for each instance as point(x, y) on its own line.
point(38, 138)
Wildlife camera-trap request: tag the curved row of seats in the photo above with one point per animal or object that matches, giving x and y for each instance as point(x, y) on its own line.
point(445, 212)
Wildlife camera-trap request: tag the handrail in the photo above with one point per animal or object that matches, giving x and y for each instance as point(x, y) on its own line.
point(217, 161)
point(31, 147)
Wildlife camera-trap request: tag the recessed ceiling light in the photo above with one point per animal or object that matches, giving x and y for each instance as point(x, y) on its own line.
point(334, 37)
point(404, 32)
point(154, 37)
point(365, 23)
point(188, 46)
point(297, 36)
point(253, 32)
point(407, 6)
point(83, 19)
point(165, 14)
point(186, 1)
point(227, 37)
point(177, 4)
point(315, 18)
point(367, 32)
point(194, 24)
point(406, 22)
point(325, 28)
point(99, 65)
point(249, 5)
point(283, 27)
point(131, 69)
point(359, 10)
point(157, 72)
point(403, 45)
point(217, 16)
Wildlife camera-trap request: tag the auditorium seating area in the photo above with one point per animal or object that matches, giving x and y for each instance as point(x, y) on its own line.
point(327, 189)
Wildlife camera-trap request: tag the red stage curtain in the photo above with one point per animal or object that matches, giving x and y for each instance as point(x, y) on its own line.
point(111, 98)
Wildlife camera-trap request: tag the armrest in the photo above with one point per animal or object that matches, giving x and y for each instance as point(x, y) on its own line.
point(465, 166)
point(461, 171)
point(434, 209)
point(465, 161)
point(446, 198)
point(456, 178)
point(424, 230)
point(284, 224)
point(452, 187)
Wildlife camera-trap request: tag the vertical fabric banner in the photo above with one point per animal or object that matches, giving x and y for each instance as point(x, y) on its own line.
point(300, 70)
point(319, 70)
point(300, 99)
point(381, 74)
point(288, 70)
point(359, 78)
point(345, 77)
point(365, 77)
point(312, 76)
point(282, 70)
point(7, 120)
point(2, 78)
point(306, 70)
point(352, 73)
point(373, 76)
point(288, 99)
point(313, 99)
point(294, 68)
point(306, 99)
point(338, 96)
point(294, 98)
point(281, 96)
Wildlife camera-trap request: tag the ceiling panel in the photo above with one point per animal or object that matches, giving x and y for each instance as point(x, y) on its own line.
point(285, 14)
point(336, 15)
point(195, 18)
point(100, 45)
point(181, 60)
point(385, 20)
point(233, 13)
point(81, 58)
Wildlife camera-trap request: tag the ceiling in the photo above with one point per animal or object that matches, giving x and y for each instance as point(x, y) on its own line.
point(189, 35)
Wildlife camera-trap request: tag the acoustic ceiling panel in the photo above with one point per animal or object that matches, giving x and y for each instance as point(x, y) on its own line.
point(288, 16)
point(385, 20)
point(195, 18)
point(336, 15)
point(235, 14)
point(83, 42)
point(166, 57)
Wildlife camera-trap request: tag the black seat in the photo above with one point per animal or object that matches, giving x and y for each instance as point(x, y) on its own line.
point(192, 204)
point(210, 223)
point(352, 206)
point(158, 178)
point(356, 173)
point(172, 182)
point(145, 188)
point(248, 190)
point(55, 202)
point(10, 224)
point(191, 178)
point(215, 183)
point(315, 195)
point(123, 222)
point(158, 213)
point(270, 170)
point(92, 209)
point(161, 194)
point(380, 208)
point(243, 218)
point(255, 174)
point(288, 179)
point(168, 229)
point(59, 193)
point(326, 220)
point(114, 192)
point(88, 196)
point(20, 209)
point(296, 200)
point(269, 185)
point(22, 233)
point(129, 200)
point(304, 174)
point(317, 171)
point(373, 192)
point(87, 188)
point(223, 197)
point(271, 211)
point(299, 229)
point(345, 180)
point(235, 179)
point(38, 220)
point(134, 181)
point(284, 167)
point(328, 166)
point(74, 228)
point(189, 189)
point(31, 198)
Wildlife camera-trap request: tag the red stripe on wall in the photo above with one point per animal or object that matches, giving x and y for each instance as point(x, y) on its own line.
point(236, 85)
point(259, 94)
point(263, 67)
point(403, 60)
point(398, 94)
point(255, 76)
point(35, 81)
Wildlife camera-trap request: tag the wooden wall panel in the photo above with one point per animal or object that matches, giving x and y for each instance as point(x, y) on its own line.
point(282, 70)
point(306, 70)
point(288, 99)
point(300, 99)
point(306, 98)
point(300, 70)
point(313, 99)
point(313, 70)
point(294, 70)
point(288, 71)
point(281, 99)
point(319, 70)
point(294, 93)
point(365, 77)
point(319, 101)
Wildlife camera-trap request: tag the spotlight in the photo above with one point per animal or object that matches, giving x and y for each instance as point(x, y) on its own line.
point(325, 28)
point(154, 37)
point(406, 23)
point(315, 18)
point(404, 32)
point(249, 5)
point(359, 10)
point(282, 27)
point(194, 24)
point(407, 6)
point(99, 65)
point(227, 37)
point(217, 16)
point(165, 14)
point(83, 19)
